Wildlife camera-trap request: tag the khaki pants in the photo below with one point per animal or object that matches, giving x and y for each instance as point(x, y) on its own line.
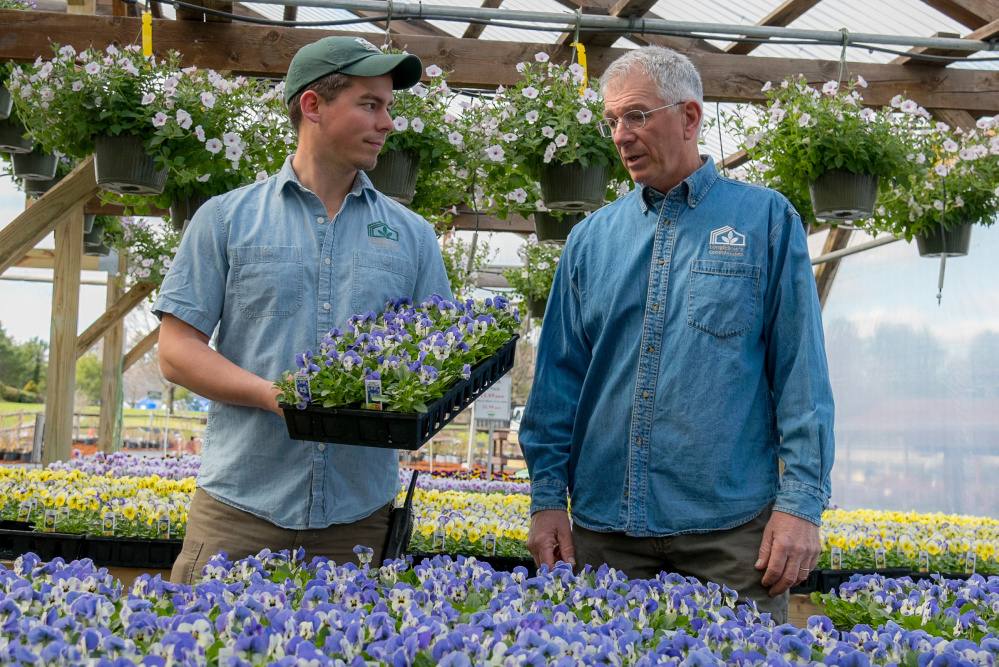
point(724, 557)
point(213, 526)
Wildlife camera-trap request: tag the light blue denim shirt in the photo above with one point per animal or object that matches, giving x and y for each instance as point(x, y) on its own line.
point(681, 355)
point(266, 266)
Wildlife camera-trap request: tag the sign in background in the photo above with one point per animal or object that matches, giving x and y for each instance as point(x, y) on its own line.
point(494, 403)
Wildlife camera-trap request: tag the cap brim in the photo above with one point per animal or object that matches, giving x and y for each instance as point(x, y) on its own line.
point(406, 69)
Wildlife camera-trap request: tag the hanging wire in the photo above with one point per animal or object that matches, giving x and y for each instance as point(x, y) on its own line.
point(943, 243)
point(475, 234)
point(721, 141)
point(388, 27)
point(842, 54)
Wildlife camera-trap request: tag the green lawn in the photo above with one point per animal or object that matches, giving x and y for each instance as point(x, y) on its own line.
point(188, 423)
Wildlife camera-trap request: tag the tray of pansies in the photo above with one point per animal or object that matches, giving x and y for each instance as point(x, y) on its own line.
point(394, 380)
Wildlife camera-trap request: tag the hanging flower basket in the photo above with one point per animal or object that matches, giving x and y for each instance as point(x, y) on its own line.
point(955, 241)
point(573, 187)
point(101, 250)
point(549, 227)
point(94, 236)
point(12, 139)
point(36, 188)
point(37, 165)
point(183, 209)
point(536, 307)
point(840, 195)
point(123, 166)
point(6, 102)
point(395, 175)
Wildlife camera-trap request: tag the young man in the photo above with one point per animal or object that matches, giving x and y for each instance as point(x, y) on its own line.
point(681, 356)
point(271, 268)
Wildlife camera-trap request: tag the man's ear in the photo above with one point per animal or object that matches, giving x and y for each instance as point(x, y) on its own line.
point(692, 115)
point(310, 102)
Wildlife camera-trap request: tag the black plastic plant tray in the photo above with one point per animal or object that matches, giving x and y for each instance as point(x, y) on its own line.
point(132, 552)
point(44, 545)
point(835, 578)
point(498, 563)
point(397, 430)
point(808, 585)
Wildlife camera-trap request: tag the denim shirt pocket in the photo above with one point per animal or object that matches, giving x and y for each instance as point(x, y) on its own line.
point(722, 298)
point(270, 280)
point(379, 277)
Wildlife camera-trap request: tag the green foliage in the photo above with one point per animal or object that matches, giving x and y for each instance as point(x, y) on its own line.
point(150, 243)
point(455, 253)
point(22, 364)
point(534, 280)
point(88, 377)
point(421, 119)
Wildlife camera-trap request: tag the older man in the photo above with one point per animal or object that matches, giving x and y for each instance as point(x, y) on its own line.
point(681, 358)
point(274, 266)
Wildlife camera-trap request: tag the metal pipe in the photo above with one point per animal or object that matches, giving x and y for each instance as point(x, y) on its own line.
point(860, 247)
point(409, 10)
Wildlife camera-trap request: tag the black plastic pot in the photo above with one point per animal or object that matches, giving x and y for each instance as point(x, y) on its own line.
point(132, 552)
point(44, 545)
point(94, 236)
point(36, 188)
point(834, 578)
point(920, 576)
point(100, 250)
point(956, 241)
point(536, 307)
point(573, 187)
point(12, 139)
point(88, 223)
point(36, 165)
point(122, 166)
point(182, 209)
point(6, 102)
point(397, 430)
point(840, 195)
point(808, 585)
point(550, 227)
point(395, 175)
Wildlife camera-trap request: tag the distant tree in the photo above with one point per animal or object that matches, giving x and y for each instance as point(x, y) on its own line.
point(88, 378)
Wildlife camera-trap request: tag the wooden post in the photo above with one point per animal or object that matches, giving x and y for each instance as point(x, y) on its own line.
point(114, 340)
point(62, 338)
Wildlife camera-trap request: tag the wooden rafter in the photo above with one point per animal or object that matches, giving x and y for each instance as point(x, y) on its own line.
point(972, 13)
point(826, 272)
point(474, 30)
point(783, 16)
point(985, 33)
point(141, 348)
point(406, 27)
point(267, 50)
point(42, 258)
point(608, 7)
point(112, 315)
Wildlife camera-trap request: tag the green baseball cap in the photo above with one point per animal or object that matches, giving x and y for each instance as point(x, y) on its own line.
point(349, 55)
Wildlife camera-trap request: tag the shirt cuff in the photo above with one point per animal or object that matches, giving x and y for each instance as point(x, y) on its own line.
point(549, 495)
point(187, 315)
point(802, 501)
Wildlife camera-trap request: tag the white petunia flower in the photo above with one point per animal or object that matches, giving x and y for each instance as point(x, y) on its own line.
point(208, 99)
point(909, 106)
point(896, 101)
point(417, 125)
point(261, 176)
point(561, 140)
point(521, 67)
point(204, 177)
point(214, 146)
point(148, 98)
point(233, 153)
point(548, 132)
point(532, 116)
point(455, 138)
point(160, 119)
point(530, 92)
point(400, 123)
point(231, 139)
point(767, 86)
point(830, 87)
point(867, 114)
point(495, 153)
point(92, 68)
point(584, 115)
point(434, 70)
point(199, 132)
point(950, 145)
point(541, 57)
point(941, 169)
point(803, 121)
point(519, 195)
point(861, 81)
point(184, 119)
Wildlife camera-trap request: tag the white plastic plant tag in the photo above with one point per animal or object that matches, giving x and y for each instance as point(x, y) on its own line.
point(879, 558)
point(50, 521)
point(960, 562)
point(373, 394)
point(836, 558)
point(970, 560)
point(24, 510)
point(489, 544)
point(163, 527)
point(924, 561)
point(302, 386)
point(108, 520)
point(438, 544)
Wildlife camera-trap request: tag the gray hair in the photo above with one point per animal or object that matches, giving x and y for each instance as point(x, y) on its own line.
point(676, 78)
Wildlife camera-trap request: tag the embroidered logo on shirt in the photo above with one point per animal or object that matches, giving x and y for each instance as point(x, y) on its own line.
point(380, 235)
point(727, 241)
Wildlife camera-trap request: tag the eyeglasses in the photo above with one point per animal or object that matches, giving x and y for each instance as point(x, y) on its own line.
point(633, 120)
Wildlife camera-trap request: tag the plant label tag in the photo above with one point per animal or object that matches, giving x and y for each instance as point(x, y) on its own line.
point(23, 510)
point(302, 386)
point(108, 520)
point(50, 521)
point(438, 544)
point(489, 543)
point(969, 562)
point(163, 527)
point(34, 504)
point(960, 562)
point(924, 561)
point(373, 394)
point(836, 558)
point(224, 654)
point(879, 558)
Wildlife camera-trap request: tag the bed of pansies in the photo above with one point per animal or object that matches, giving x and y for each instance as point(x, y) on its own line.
point(278, 609)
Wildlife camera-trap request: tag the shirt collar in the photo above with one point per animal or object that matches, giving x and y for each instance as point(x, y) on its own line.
point(693, 188)
point(287, 175)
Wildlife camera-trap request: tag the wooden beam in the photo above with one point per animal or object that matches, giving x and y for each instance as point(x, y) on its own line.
point(972, 13)
point(985, 33)
point(825, 273)
point(736, 159)
point(290, 13)
point(955, 118)
point(141, 348)
point(61, 384)
point(44, 258)
point(788, 12)
point(406, 27)
point(112, 315)
point(68, 195)
point(606, 7)
point(114, 339)
point(267, 50)
point(465, 221)
point(474, 30)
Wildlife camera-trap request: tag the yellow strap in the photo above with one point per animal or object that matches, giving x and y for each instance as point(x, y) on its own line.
point(147, 34)
point(581, 57)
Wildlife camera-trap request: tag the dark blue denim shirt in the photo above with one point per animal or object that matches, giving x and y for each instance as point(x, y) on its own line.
point(681, 356)
point(265, 265)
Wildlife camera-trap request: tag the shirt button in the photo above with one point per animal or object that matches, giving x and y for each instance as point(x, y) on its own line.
point(651, 349)
point(321, 447)
point(645, 394)
point(320, 220)
point(639, 441)
point(326, 306)
point(327, 261)
point(661, 262)
point(655, 306)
